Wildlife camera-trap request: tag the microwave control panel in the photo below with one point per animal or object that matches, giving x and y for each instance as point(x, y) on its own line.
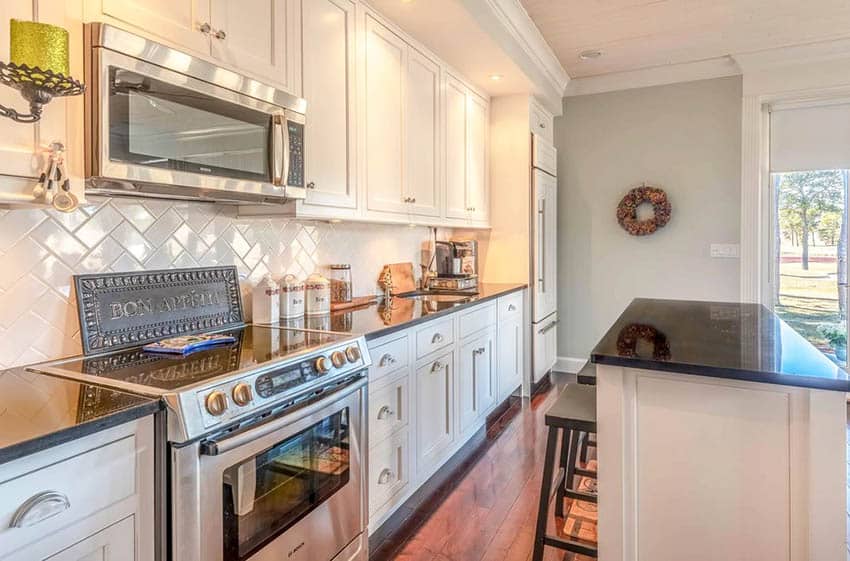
point(296, 154)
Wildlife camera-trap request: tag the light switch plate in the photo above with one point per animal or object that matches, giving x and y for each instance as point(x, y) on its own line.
point(725, 250)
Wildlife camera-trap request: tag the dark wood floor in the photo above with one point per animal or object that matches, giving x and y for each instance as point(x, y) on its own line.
point(491, 514)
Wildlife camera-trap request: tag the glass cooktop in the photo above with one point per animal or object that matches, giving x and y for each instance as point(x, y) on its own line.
point(255, 345)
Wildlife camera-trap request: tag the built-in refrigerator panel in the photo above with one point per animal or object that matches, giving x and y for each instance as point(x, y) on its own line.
point(545, 258)
point(544, 337)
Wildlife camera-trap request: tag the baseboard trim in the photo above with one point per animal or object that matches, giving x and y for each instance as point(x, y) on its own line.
point(568, 364)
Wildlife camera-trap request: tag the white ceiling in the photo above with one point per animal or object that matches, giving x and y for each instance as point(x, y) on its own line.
point(636, 34)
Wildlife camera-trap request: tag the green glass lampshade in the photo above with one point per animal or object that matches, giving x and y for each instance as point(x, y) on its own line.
point(39, 45)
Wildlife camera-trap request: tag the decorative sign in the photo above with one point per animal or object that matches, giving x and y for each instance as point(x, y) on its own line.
point(119, 310)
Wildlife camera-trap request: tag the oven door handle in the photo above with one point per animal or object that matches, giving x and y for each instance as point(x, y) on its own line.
point(215, 447)
point(277, 149)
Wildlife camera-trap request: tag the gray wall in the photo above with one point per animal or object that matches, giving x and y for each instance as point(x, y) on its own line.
point(685, 138)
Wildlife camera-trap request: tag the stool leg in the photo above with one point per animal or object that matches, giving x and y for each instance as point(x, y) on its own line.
point(583, 455)
point(565, 450)
point(545, 488)
point(571, 465)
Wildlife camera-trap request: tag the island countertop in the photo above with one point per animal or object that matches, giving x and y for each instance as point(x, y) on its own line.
point(717, 339)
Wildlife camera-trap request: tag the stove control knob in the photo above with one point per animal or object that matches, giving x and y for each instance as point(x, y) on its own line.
point(242, 394)
point(216, 403)
point(353, 353)
point(338, 358)
point(323, 365)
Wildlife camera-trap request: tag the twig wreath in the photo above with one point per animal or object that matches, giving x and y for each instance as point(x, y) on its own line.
point(627, 210)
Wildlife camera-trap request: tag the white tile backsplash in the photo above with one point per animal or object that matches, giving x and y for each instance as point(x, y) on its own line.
point(40, 250)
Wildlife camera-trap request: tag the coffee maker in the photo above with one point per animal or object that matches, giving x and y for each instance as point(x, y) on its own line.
point(456, 263)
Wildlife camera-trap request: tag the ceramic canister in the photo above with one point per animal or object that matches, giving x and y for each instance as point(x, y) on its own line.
point(318, 295)
point(291, 297)
point(266, 301)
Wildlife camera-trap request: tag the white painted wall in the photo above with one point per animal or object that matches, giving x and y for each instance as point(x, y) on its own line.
point(685, 138)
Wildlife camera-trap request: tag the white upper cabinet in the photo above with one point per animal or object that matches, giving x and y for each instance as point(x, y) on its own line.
point(255, 37)
point(477, 179)
point(252, 35)
point(385, 62)
point(422, 124)
point(455, 149)
point(467, 148)
point(179, 22)
point(328, 70)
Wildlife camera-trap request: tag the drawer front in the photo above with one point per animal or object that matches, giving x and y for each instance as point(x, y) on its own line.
point(477, 319)
point(388, 357)
point(389, 408)
point(510, 307)
point(389, 470)
point(434, 336)
point(34, 505)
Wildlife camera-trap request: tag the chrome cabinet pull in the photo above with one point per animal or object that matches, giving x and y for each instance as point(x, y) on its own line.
point(385, 412)
point(511, 308)
point(220, 34)
point(436, 366)
point(205, 28)
point(385, 476)
point(437, 338)
point(39, 508)
point(549, 327)
point(311, 185)
point(541, 248)
point(387, 360)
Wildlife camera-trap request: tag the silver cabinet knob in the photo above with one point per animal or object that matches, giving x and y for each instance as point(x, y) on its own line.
point(436, 366)
point(387, 360)
point(205, 28)
point(437, 338)
point(311, 185)
point(220, 34)
point(385, 412)
point(511, 308)
point(413, 200)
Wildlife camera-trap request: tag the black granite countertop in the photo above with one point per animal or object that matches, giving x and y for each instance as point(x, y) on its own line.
point(38, 411)
point(378, 319)
point(722, 340)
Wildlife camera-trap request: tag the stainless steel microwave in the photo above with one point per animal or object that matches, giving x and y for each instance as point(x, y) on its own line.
point(166, 124)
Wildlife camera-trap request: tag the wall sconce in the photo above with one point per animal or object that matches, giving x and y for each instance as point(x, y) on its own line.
point(38, 67)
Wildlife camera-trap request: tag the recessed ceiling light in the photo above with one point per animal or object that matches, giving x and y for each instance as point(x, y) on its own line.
point(590, 54)
point(496, 77)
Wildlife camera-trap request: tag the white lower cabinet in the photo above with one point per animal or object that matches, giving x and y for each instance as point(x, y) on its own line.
point(435, 407)
point(115, 543)
point(431, 388)
point(89, 499)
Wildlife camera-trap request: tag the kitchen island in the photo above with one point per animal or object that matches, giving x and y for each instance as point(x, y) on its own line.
point(721, 436)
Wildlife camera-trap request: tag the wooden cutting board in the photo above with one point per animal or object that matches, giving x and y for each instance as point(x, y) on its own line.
point(402, 277)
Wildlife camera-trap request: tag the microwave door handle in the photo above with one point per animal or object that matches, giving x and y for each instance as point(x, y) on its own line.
point(285, 153)
point(277, 150)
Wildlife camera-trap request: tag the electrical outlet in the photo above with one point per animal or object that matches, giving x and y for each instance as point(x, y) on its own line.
point(725, 250)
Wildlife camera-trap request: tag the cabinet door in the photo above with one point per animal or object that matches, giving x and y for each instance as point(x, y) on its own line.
point(509, 363)
point(115, 543)
point(477, 181)
point(176, 21)
point(384, 118)
point(251, 35)
point(455, 149)
point(435, 410)
point(476, 388)
point(422, 111)
point(545, 250)
point(328, 70)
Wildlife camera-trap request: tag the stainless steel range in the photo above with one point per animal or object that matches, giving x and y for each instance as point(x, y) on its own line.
point(266, 436)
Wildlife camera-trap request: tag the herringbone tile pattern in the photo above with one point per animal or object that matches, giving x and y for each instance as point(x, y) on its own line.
point(40, 251)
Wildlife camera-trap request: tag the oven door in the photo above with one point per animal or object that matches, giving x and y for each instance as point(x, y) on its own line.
point(153, 131)
point(291, 488)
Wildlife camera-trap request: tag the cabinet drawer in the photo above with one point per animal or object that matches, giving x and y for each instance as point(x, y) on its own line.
point(43, 501)
point(510, 307)
point(389, 407)
point(388, 357)
point(434, 336)
point(476, 319)
point(389, 470)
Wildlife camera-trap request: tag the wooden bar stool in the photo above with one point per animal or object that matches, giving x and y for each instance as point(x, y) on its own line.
point(573, 413)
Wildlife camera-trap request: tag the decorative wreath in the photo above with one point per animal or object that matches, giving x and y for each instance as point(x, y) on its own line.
point(627, 210)
point(629, 335)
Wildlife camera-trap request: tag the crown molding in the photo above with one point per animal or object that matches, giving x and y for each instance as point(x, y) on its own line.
point(654, 76)
point(822, 51)
point(511, 26)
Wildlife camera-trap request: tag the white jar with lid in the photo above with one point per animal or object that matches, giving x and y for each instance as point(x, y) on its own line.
point(265, 304)
point(291, 297)
point(317, 290)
